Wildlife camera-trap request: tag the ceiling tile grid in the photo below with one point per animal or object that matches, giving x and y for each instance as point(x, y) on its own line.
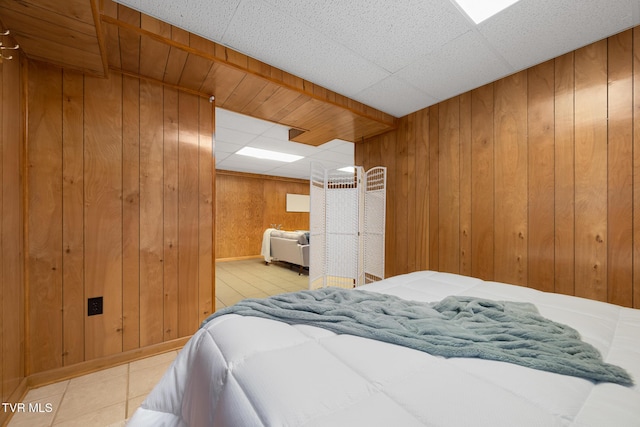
point(234, 131)
point(396, 56)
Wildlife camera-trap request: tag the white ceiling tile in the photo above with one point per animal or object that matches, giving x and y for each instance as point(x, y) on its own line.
point(227, 147)
point(435, 75)
point(264, 33)
point(203, 17)
point(396, 97)
point(533, 31)
point(340, 146)
point(283, 146)
point(242, 122)
point(388, 34)
point(231, 135)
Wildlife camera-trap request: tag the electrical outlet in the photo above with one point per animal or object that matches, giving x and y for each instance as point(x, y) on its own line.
point(94, 306)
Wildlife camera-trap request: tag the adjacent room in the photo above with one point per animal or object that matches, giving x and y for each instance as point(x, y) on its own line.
point(153, 155)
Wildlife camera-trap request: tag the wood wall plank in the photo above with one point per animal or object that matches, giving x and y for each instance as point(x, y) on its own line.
point(510, 129)
point(130, 213)
point(620, 170)
point(564, 213)
point(636, 167)
point(421, 188)
point(465, 184)
point(44, 331)
point(12, 289)
point(482, 182)
point(434, 187)
point(401, 190)
point(72, 218)
point(103, 213)
point(187, 214)
point(170, 140)
point(151, 214)
point(591, 170)
point(206, 273)
point(541, 179)
point(449, 186)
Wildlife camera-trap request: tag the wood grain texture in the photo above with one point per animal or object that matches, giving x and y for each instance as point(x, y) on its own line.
point(61, 33)
point(620, 170)
point(103, 213)
point(188, 146)
point(510, 129)
point(151, 214)
point(434, 187)
point(541, 177)
point(482, 183)
point(206, 166)
point(636, 167)
point(564, 213)
point(130, 213)
point(72, 218)
point(12, 290)
point(449, 186)
point(170, 146)
point(118, 166)
point(44, 219)
point(465, 185)
point(591, 170)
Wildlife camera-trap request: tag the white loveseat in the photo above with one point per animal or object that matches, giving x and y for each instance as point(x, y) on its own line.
point(289, 246)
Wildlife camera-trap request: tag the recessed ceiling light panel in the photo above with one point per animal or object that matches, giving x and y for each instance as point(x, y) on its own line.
point(479, 10)
point(259, 153)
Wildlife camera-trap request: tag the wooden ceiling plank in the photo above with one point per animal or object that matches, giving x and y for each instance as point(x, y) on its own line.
point(260, 99)
point(175, 64)
point(244, 93)
point(276, 103)
point(32, 26)
point(63, 20)
point(222, 81)
point(195, 71)
point(112, 40)
point(154, 59)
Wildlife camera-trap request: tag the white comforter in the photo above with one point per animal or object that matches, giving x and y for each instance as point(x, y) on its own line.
point(246, 371)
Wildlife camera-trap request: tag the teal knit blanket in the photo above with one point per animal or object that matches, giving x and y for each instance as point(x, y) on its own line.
point(457, 326)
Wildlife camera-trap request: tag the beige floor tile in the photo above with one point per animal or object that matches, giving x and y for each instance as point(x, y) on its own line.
point(160, 359)
point(55, 389)
point(39, 412)
point(134, 403)
point(84, 396)
point(101, 417)
point(142, 381)
point(99, 376)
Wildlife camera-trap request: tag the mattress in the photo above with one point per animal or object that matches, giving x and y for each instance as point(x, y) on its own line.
point(248, 371)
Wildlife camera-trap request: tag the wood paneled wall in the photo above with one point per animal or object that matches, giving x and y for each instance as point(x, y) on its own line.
point(120, 205)
point(247, 204)
point(533, 179)
point(12, 294)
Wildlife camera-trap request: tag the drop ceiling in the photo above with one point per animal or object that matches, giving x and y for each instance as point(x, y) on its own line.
point(234, 131)
point(396, 56)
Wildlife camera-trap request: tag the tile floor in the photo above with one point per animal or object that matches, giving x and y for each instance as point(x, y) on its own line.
point(121, 389)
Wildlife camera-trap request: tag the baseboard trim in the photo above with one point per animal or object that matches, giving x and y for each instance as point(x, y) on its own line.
point(17, 396)
point(238, 258)
point(67, 372)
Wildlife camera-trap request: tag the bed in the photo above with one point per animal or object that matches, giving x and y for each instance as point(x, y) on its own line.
point(240, 370)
